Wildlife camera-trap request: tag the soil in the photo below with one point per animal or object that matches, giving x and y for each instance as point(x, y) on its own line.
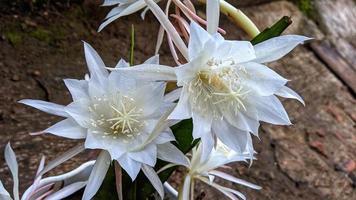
point(313, 159)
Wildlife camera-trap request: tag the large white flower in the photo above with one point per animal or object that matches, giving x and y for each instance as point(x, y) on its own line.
point(54, 187)
point(123, 116)
point(206, 171)
point(226, 89)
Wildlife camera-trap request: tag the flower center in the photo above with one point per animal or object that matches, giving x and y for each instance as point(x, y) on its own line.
point(116, 117)
point(218, 87)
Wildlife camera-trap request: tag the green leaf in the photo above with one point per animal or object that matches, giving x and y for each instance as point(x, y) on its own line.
point(273, 31)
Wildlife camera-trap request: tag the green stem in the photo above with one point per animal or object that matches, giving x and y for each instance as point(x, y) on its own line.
point(132, 48)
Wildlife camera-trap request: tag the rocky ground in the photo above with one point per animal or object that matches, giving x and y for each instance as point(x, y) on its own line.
point(313, 159)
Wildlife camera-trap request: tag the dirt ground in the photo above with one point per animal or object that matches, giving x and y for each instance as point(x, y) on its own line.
point(313, 159)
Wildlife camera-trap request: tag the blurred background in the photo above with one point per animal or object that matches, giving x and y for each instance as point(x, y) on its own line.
point(40, 44)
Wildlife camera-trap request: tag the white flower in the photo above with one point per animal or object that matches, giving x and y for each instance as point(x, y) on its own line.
point(123, 8)
point(54, 187)
point(206, 172)
point(123, 116)
point(226, 89)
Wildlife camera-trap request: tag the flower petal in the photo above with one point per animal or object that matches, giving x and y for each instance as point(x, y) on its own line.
point(79, 111)
point(67, 128)
point(233, 179)
point(154, 179)
point(149, 72)
point(270, 110)
point(170, 153)
point(97, 175)
point(286, 92)
point(95, 140)
point(185, 194)
point(77, 88)
point(260, 79)
point(3, 193)
point(131, 166)
point(212, 15)
point(197, 40)
point(95, 64)
point(153, 60)
point(148, 155)
point(48, 107)
point(66, 191)
point(240, 51)
point(277, 47)
point(11, 161)
point(182, 109)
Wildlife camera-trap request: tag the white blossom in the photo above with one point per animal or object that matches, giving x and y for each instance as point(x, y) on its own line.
point(53, 187)
point(227, 90)
point(123, 116)
point(206, 171)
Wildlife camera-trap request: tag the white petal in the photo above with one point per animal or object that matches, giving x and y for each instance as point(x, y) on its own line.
point(149, 72)
point(131, 166)
point(286, 92)
point(212, 15)
point(66, 191)
point(170, 153)
point(67, 128)
point(182, 109)
point(62, 158)
point(97, 175)
point(95, 64)
point(77, 88)
point(185, 194)
point(232, 137)
point(131, 8)
point(113, 2)
point(261, 79)
point(197, 40)
point(154, 179)
point(79, 111)
point(233, 179)
point(242, 121)
point(48, 107)
point(277, 47)
point(152, 100)
point(148, 155)
point(240, 51)
point(165, 137)
point(11, 161)
point(3, 193)
point(116, 11)
point(97, 141)
point(122, 64)
point(173, 95)
point(153, 60)
point(207, 144)
point(270, 110)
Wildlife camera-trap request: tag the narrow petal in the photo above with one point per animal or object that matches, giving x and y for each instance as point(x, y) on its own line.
point(154, 179)
point(197, 40)
point(185, 194)
point(260, 79)
point(277, 47)
point(149, 72)
point(173, 95)
point(79, 111)
point(170, 153)
point(233, 179)
point(270, 110)
point(212, 15)
point(77, 88)
point(48, 107)
point(66, 191)
point(232, 137)
point(67, 128)
point(97, 175)
point(202, 130)
point(113, 2)
point(131, 166)
point(240, 51)
point(148, 155)
point(182, 109)
point(286, 92)
point(3, 193)
point(62, 158)
point(11, 161)
point(95, 64)
point(153, 60)
point(242, 121)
